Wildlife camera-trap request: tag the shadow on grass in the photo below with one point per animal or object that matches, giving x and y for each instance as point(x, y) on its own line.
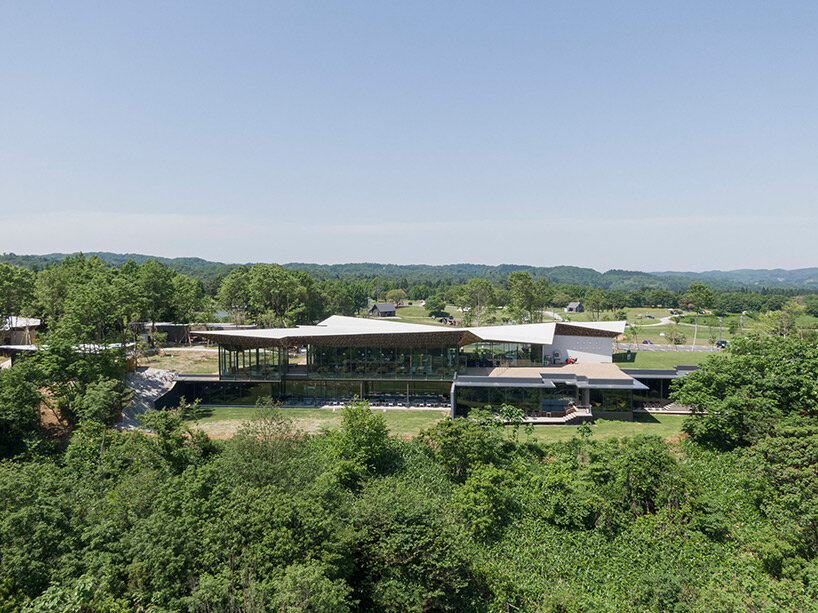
point(645, 418)
point(199, 413)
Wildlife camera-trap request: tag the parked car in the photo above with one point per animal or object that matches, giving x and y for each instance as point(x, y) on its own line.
point(649, 316)
point(647, 342)
point(721, 344)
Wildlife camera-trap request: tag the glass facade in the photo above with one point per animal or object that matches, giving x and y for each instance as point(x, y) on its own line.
point(263, 363)
point(658, 389)
point(532, 400)
point(487, 355)
point(436, 363)
point(611, 400)
point(309, 392)
point(412, 363)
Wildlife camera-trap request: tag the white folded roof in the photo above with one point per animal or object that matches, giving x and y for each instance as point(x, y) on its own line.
point(19, 323)
point(340, 326)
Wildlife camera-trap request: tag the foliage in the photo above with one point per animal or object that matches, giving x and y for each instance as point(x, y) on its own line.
point(19, 403)
point(360, 442)
point(463, 518)
point(738, 395)
point(459, 445)
point(306, 587)
point(396, 295)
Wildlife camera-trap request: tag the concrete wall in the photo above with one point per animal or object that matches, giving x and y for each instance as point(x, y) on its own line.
point(583, 348)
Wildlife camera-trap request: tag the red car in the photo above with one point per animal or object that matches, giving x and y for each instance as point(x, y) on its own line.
point(647, 342)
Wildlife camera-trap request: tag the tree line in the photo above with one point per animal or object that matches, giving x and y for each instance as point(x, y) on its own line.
point(99, 301)
point(469, 515)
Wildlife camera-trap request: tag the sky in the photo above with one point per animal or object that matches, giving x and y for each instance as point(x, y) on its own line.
point(635, 135)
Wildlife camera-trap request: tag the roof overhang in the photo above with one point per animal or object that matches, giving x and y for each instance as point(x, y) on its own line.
point(338, 331)
point(470, 381)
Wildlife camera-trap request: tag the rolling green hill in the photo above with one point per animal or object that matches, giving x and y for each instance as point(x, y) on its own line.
point(806, 278)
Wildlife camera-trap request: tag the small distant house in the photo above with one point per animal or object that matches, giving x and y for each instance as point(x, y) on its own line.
point(575, 307)
point(177, 334)
point(382, 309)
point(18, 330)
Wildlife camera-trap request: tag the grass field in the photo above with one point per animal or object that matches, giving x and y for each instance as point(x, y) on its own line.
point(666, 426)
point(419, 315)
point(665, 359)
point(192, 362)
point(653, 333)
point(224, 421)
point(635, 315)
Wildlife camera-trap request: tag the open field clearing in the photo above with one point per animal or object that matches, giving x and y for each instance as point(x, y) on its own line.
point(192, 362)
point(665, 359)
point(225, 421)
point(654, 334)
point(666, 426)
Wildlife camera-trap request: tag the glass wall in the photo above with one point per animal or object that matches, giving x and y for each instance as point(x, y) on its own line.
point(658, 389)
point(262, 363)
point(529, 399)
point(219, 393)
point(611, 400)
point(414, 393)
point(487, 355)
point(310, 393)
point(382, 362)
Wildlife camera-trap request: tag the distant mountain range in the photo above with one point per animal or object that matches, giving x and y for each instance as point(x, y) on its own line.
point(806, 278)
point(776, 277)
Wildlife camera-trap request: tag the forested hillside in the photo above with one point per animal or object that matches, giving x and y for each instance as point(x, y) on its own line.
point(470, 515)
point(778, 277)
point(460, 273)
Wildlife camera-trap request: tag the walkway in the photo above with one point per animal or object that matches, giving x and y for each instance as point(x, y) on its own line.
point(668, 409)
point(655, 347)
point(149, 384)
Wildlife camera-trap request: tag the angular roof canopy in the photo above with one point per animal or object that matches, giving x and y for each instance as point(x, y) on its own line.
point(19, 323)
point(358, 332)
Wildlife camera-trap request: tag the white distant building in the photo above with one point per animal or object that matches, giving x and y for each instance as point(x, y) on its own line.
point(19, 330)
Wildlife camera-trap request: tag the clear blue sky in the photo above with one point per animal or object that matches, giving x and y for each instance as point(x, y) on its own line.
point(642, 135)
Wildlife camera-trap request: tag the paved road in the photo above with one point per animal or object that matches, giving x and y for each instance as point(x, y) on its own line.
point(662, 322)
point(194, 348)
point(654, 347)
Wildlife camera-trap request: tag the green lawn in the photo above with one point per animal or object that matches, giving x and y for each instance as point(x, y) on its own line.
point(419, 315)
point(666, 426)
point(224, 421)
point(653, 333)
point(191, 362)
point(664, 359)
point(411, 311)
point(635, 315)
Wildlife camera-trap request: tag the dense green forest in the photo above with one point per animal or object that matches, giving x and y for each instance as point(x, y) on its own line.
point(467, 516)
point(100, 301)
point(208, 271)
